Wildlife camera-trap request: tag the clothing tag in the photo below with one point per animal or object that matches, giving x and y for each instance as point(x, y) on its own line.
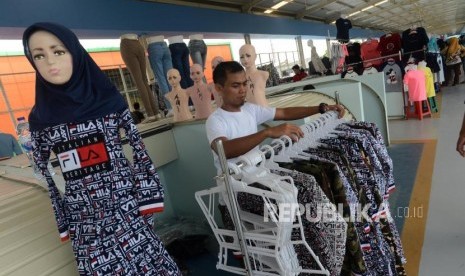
point(82, 156)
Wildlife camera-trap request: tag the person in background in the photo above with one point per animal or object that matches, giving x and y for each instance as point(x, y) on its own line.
point(9, 147)
point(461, 140)
point(137, 115)
point(299, 73)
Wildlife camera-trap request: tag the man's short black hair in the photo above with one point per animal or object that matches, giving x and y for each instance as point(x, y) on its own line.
point(296, 67)
point(223, 69)
point(136, 105)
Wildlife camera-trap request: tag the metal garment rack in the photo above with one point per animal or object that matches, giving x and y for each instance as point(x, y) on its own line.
point(234, 206)
point(399, 55)
point(230, 192)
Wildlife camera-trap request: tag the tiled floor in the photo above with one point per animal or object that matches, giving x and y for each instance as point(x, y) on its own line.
point(443, 251)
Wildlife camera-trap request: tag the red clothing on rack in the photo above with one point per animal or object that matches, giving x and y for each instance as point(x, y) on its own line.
point(390, 44)
point(369, 51)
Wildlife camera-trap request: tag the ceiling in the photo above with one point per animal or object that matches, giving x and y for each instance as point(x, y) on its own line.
point(436, 16)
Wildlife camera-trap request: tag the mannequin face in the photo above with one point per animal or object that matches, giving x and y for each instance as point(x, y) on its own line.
point(310, 43)
point(215, 61)
point(196, 73)
point(174, 78)
point(234, 91)
point(51, 58)
point(247, 55)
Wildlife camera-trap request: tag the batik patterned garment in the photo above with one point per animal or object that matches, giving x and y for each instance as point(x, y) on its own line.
point(327, 239)
point(108, 203)
point(325, 232)
point(373, 134)
point(375, 254)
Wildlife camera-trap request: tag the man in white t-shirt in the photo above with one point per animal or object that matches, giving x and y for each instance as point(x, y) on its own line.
point(235, 122)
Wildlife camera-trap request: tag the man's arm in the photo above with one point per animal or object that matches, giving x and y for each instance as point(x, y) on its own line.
point(461, 139)
point(294, 113)
point(239, 146)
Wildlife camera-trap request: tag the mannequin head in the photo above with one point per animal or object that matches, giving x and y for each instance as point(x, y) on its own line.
point(196, 73)
point(174, 78)
point(51, 58)
point(310, 43)
point(215, 61)
point(247, 56)
point(343, 15)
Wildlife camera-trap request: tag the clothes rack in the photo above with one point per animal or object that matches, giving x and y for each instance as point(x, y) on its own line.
point(399, 55)
point(235, 215)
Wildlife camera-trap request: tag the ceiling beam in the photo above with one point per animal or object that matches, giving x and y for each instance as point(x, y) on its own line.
point(248, 7)
point(313, 8)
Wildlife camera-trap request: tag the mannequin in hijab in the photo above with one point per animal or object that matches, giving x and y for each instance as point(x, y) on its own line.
point(256, 78)
point(200, 93)
point(78, 114)
point(178, 97)
point(211, 86)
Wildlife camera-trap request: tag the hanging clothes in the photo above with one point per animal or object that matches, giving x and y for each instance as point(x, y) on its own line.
point(430, 92)
point(369, 50)
point(393, 76)
point(414, 40)
point(369, 69)
point(416, 82)
point(390, 44)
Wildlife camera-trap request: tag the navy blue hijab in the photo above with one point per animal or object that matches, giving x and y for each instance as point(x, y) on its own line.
point(88, 94)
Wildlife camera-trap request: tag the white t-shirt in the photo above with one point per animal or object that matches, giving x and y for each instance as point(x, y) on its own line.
point(222, 123)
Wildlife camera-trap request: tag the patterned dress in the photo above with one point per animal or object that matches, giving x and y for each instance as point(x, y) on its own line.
point(108, 202)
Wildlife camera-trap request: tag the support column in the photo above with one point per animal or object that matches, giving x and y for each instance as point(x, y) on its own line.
point(300, 51)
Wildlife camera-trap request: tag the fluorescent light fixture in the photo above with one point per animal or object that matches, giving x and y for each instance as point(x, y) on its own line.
point(367, 8)
point(382, 2)
point(354, 13)
point(277, 6)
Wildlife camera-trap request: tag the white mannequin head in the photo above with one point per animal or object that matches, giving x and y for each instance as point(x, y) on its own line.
point(310, 43)
point(343, 15)
point(196, 73)
point(215, 61)
point(174, 78)
point(247, 56)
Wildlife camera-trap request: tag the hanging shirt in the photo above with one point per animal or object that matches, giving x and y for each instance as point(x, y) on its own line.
point(351, 74)
point(414, 40)
point(343, 26)
point(393, 77)
point(369, 71)
point(370, 50)
point(430, 92)
point(416, 82)
point(390, 44)
point(316, 61)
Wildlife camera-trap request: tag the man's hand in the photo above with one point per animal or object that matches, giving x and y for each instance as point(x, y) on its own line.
point(293, 131)
point(461, 145)
point(339, 108)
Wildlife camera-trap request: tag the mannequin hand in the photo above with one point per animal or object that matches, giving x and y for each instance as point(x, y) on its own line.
point(293, 131)
point(461, 145)
point(339, 108)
